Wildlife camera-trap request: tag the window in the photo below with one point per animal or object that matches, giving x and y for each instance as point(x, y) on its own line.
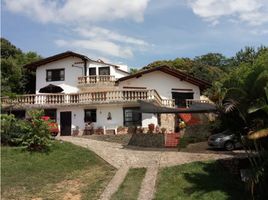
point(180, 98)
point(90, 115)
point(55, 75)
point(104, 70)
point(132, 117)
point(92, 71)
point(52, 113)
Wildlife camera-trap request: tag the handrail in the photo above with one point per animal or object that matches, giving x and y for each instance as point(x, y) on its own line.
point(191, 101)
point(88, 97)
point(93, 79)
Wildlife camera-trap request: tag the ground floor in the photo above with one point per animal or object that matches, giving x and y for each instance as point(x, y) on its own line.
point(103, 118)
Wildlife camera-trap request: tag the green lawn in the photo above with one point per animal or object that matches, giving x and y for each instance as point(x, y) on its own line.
point(199, 180)
point(129, 189)
point(67, 171)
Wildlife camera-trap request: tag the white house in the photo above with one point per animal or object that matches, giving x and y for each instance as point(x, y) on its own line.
point(75, 90)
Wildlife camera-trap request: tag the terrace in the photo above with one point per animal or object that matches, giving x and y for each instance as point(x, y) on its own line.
point(92, 98)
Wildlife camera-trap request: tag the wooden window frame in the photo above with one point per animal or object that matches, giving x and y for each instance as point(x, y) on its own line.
point(100, 68)
point(139, 123)
point(93, 120)
point(58, 78)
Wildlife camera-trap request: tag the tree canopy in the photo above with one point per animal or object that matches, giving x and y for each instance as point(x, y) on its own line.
point(14, 78)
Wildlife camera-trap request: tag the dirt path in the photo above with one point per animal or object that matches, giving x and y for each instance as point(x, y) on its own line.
point(123, 159)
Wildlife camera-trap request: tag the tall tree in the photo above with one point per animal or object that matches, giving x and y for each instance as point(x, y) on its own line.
point(14, 78)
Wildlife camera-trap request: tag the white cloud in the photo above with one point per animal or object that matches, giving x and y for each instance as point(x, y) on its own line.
point(253, 12)
point(81, 13)
point(101, 46)
point(104, 41)
point(78, 10)
point(98, 32)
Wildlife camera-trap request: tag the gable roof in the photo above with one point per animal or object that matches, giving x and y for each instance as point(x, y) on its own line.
point(56, 57)
point(173, 72)
point(67, 54)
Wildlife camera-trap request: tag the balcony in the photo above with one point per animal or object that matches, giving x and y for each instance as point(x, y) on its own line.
point(96, 80)
point(190, 102)
point(86, 98)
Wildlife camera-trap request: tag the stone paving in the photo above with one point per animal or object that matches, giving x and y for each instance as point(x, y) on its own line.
point(123, 158)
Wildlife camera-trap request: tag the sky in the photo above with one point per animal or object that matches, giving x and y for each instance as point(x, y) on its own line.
point(135, 32)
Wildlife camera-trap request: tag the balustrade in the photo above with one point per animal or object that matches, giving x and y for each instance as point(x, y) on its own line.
point(88, 97)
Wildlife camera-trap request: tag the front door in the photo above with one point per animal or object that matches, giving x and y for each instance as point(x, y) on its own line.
point(65, 123)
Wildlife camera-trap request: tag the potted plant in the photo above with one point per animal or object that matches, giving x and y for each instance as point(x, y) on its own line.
point(163, 130)
point(151, 128)
point(99, 131)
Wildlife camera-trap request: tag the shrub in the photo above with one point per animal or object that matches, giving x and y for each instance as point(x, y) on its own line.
point(12, 130)
point(37, 134)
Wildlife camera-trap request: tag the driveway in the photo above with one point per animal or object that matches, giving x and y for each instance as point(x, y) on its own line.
point(124, 158)
point(118, 156)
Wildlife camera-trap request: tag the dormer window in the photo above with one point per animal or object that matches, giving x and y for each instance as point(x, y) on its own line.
point(104, 71)
point(55, 75)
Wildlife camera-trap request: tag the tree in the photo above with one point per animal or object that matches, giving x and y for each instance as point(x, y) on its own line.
point(133, 70)
point(243, 108)
point(14, 78)
point(213, 59)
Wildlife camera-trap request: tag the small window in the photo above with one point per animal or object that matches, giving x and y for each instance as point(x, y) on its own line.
point(104, 70)
point(132, 117)
point(92, 71)
point(90, 115)
point(55, 75)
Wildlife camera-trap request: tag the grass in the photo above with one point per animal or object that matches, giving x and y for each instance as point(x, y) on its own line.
point(67, 171)
point(199, 180)
point(130, 187)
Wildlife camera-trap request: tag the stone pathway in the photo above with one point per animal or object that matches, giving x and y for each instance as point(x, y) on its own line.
point(148, 184)
point(123, 158)
point(114, 184)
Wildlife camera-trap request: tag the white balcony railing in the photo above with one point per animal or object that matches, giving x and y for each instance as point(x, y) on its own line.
point(96, 79)
point(87, 98)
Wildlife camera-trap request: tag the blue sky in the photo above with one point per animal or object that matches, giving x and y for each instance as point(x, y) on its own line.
point(135, 32)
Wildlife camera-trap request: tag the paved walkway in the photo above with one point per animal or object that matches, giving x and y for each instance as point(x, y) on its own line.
point(123, 158)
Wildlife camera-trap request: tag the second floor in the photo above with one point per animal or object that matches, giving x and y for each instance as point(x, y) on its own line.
point(70, 78)
point(74, 72)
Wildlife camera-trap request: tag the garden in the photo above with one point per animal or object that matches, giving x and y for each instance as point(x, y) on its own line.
point(35, 166)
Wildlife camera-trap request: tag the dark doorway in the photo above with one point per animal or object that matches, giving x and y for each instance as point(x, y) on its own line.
point(180, 98)
point(65, 123)
point(92, 71)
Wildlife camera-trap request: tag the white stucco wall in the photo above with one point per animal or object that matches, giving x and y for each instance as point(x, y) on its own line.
point(101, 112)
point(116, 113)
point(148, 118)
point(161, 82)
point(71, 74)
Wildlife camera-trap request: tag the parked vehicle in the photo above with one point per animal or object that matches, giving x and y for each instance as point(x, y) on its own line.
point(224, 140)
point(53, 126)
